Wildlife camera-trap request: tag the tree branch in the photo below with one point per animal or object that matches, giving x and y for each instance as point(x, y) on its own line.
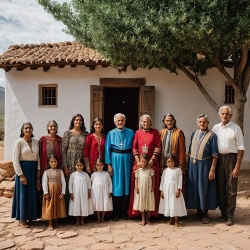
point(196, 80)
point(246, 77)
point(234, 57)
point(216, 61)
point(243, 62)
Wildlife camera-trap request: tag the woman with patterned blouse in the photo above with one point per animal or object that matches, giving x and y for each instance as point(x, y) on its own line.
point(73, 143)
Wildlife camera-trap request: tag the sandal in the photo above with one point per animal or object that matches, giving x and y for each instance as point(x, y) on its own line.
point(23, 224)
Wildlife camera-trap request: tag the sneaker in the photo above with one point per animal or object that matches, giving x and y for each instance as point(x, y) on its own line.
point(206, 219)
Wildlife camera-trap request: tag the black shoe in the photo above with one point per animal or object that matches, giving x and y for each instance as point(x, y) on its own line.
point(196, 217)
point(125, 217)
point(229, 222)
point(206, 219)
point(223, 218)
point(116, 218)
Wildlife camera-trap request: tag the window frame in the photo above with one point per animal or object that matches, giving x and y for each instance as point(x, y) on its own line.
point(229, 96)
point(41, 95)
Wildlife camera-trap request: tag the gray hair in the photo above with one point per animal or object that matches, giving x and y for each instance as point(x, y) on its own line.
point(144, 116)
point(202, 116)
point(119, 114)
point(225, 107)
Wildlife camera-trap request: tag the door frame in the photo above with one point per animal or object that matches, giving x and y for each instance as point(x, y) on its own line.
point(146, 103)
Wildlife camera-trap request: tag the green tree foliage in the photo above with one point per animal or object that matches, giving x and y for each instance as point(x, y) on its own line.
point(166, 34)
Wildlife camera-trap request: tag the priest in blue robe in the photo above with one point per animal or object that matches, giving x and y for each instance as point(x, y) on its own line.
point(119, 158)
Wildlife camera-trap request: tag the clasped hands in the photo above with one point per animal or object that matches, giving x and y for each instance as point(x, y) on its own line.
point(48, 198)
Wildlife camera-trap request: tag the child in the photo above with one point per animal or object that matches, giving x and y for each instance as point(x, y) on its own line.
point(80, 203)
point(54, 186)
point(144, 199)
point(172, 203)
point(101, 191)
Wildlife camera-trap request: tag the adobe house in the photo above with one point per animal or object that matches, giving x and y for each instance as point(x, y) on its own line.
point(56, 81)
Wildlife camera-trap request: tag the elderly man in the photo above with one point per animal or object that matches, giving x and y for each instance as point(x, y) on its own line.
point(231, 151)
point(118, 156)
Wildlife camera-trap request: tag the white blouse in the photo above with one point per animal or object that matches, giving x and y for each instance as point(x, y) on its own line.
point(45, 182)
point(23, 152)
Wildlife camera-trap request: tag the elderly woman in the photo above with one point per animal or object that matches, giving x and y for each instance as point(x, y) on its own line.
point(173, 142)
point(201, 188)
point(27, 168)
point(146, 141)
point(50, 144)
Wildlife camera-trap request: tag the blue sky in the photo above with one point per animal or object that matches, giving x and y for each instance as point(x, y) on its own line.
point(25, 22)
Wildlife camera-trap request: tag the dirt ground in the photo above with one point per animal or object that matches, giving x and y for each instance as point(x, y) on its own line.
point(244, 183)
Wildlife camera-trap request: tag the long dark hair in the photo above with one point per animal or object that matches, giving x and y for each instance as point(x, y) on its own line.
point(92, 129)
point(164, 125)
point(83, 128)
point(26, 123)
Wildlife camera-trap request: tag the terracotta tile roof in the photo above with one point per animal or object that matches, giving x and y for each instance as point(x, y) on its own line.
point(50, 54)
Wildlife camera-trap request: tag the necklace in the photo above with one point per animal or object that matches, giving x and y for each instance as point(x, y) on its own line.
point(121, 138)
point(145, 146)
point(99, 141)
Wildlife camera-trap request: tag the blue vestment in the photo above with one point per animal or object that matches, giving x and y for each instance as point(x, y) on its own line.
point(121, 160)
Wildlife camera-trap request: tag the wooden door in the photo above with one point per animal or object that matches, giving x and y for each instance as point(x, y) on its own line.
point(146, 103)
point(96, 102)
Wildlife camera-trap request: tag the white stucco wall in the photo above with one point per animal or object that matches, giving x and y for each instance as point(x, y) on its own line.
point(174, 94)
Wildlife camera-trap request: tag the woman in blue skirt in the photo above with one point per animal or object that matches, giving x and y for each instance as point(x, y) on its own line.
point(26, 164)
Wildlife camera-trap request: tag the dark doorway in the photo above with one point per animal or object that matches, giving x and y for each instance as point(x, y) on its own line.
point(121, 100)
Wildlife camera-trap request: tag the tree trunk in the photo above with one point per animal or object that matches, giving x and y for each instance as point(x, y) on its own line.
point(240, 101)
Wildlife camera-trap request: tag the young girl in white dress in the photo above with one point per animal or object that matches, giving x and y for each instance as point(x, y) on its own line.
point(172, 202)
point(101, 191)
point(144, 199)
point(54, 186)
point(80, 204)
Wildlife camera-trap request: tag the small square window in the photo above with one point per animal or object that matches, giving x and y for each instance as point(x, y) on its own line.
point(229, 94)
point(48, 95)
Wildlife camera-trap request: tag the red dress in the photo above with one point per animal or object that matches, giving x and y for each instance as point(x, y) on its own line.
point(46, 148)
point(151, 139)
point(93, 149)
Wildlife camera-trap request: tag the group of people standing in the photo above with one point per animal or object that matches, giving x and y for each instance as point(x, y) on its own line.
point(149, 169)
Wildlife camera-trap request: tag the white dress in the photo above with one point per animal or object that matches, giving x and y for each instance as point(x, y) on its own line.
point(171, 181)
point(145, 200)
point(79, 184)
point(101, 188)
